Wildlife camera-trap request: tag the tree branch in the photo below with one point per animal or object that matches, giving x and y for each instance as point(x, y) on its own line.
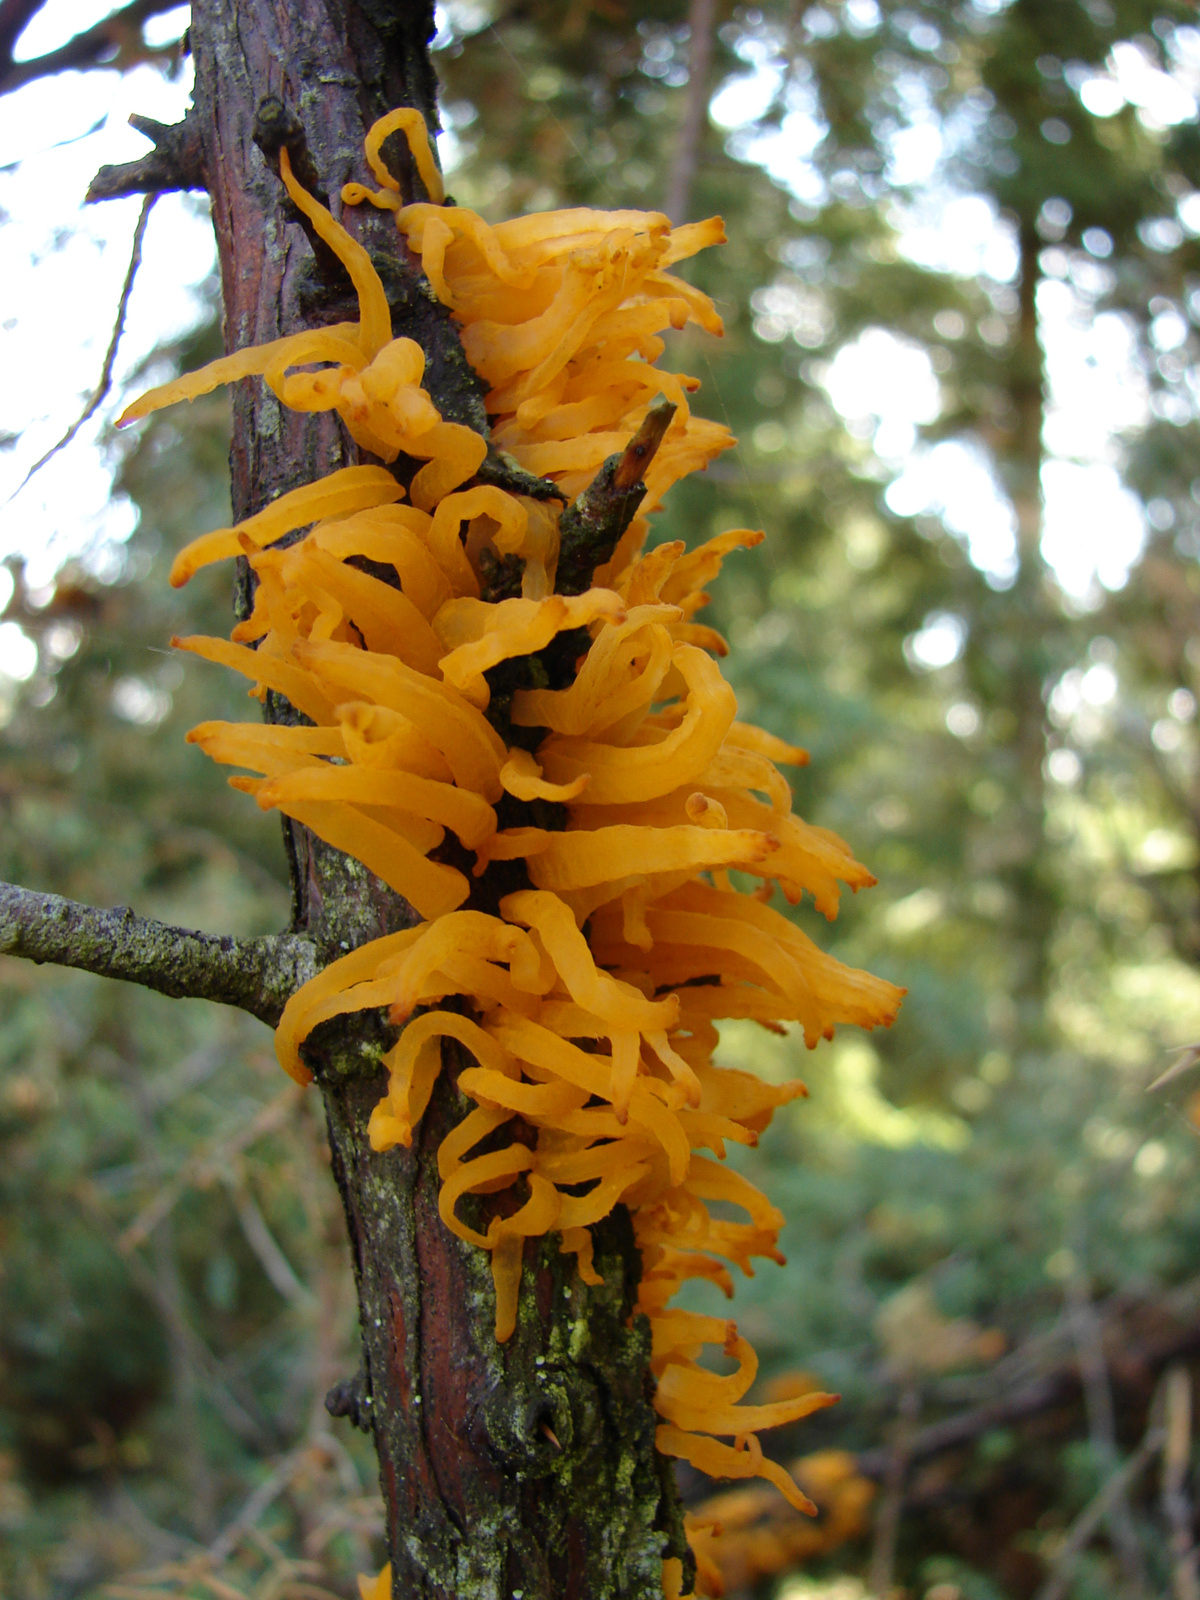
point(1147, 1334)
point(256, 975)
point(1102, 1429)
point(590, 529)
point(176, 162)
point(887, 1519)
point(116, 41)
point(1093, 1514)
point(952, 1433)
point(100, 392)
point(14, 17)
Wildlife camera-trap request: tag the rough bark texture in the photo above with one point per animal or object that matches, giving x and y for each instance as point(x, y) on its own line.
point(524, 1469)
point(256, 975)
point(175, 162)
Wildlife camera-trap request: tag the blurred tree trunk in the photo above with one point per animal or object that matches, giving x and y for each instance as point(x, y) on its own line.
point(525, 1468)
point(701, 21)
point(1026, 656)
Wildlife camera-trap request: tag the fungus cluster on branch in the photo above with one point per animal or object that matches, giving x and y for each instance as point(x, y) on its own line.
point(584, 747)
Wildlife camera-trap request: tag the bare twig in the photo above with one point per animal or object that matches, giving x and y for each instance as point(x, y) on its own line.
point(256, 975)
point(506, 472)
point(56, 144)
point(1093, 1514)
point(701, 17)
point(202, 1163)
point(239, 1412)
point(176, 162)
point(887, 1520)
point(193, 1362)
point(123, 1508)
point(1098, 1404)
point(1177, 1455)
point(110, 355)
point(14, 16)
point(641, 450)
point(273, 1485)
point(1041, 1376)
point(265, 1246)
point(186, 1378)
point(952, 1433)
point(591, 527)
point(360, 1516)
point(1189, 1055)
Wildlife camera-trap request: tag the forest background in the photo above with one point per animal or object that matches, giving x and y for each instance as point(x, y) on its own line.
point(962, 355)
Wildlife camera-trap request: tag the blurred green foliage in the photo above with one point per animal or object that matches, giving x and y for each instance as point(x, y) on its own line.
point(175, 1292)
point(1026, 791)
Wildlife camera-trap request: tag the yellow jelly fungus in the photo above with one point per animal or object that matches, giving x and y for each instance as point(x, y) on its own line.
point(411, 123)
point(631, 936)
point(378, 1587)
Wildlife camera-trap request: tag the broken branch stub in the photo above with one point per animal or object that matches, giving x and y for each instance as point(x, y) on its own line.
point(592, 526)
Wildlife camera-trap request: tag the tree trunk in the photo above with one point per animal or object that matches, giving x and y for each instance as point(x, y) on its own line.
point(527, 1468)
point(1028, 659)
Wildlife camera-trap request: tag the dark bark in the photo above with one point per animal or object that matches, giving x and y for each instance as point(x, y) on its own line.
point(590, 528)
point(175, 162)
point(528, 1467)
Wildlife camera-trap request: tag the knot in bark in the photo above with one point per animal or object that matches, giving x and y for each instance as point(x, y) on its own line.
point(551, 1419)
point(349, 1398)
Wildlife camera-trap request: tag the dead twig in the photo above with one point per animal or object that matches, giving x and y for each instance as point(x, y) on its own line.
point(1189, 1054)
point(239, 1412)
point(265, 1246)
point(175, 162)
point(205, 1162)
point(1177, 1455)
point(256, 975)
point(186, 1380)
point(1041, 1375)
point(110, 355)
point(887, 1519)
point(1088, 1522)
point(591, 527)
point(116, 41)
point(273, 1485)
point(1098, 1405)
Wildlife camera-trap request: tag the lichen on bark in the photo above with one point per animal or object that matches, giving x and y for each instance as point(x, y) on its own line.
point(255, 975)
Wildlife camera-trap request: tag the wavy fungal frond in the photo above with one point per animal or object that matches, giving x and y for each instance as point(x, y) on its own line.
point(587, 1006)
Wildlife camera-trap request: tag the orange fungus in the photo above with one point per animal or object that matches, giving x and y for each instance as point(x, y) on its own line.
point(630, 937)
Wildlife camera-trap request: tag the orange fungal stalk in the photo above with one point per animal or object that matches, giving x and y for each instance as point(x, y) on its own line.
point(642, 789)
